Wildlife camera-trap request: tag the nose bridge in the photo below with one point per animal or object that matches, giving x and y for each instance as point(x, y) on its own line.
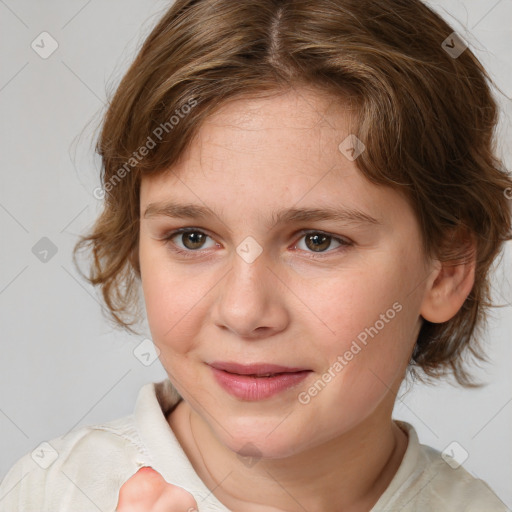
point(249, 296)
point(249, 271)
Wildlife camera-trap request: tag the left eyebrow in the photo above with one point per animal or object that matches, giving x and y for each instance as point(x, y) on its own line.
point(288, 215)
point(347, 215)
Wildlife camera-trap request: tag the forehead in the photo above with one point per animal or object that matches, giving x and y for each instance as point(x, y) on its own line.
point(293, 132)
point(269, 153)
point(302, 104)
point(297, 115)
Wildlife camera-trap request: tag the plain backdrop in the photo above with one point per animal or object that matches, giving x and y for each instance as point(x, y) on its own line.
point(62, 363)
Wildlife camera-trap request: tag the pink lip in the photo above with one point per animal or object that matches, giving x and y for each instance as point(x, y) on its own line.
point(253, 369)
point(241, 381)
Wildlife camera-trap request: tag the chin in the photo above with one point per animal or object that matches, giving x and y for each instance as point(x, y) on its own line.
point(263, 443)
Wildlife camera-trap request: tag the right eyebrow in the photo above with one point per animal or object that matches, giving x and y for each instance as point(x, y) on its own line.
point(178, 210)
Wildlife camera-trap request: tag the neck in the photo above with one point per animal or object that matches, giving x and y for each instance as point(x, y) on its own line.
point(347, 473)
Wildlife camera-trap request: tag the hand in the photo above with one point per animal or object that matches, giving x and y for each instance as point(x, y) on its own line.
point(147, 491)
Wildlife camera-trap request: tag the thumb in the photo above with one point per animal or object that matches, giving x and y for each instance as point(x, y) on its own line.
point(147, 490)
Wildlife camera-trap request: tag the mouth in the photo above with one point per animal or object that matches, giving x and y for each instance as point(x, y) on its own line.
point(257, 381)
point(256, 369)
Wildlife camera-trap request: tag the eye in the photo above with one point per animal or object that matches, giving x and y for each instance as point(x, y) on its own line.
point(319, 242)
point(192, 239)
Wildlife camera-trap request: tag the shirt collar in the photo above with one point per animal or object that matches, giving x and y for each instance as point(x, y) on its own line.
point(157, 400)
point(154, 402)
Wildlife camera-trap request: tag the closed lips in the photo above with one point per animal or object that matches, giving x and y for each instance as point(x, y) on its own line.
point(256, 369)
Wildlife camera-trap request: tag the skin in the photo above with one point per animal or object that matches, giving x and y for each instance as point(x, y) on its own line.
point(147, 491)
point(288, 307)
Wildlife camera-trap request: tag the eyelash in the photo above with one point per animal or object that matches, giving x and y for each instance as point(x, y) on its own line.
point(344, 243)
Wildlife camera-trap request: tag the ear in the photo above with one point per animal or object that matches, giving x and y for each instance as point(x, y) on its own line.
point(449, 286)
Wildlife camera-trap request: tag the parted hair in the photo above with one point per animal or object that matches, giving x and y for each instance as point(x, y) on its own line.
point(426, 117)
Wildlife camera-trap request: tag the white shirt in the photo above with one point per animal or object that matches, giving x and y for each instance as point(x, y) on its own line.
point(83, 470)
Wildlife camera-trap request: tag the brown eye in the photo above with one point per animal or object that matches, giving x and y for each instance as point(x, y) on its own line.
point(318, 242)
point(189, 240)
point(193, 240)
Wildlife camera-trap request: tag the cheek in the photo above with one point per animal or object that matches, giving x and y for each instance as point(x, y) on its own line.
point(366, 356)
point(369, 318)
point(173, 302)
point(347, 304)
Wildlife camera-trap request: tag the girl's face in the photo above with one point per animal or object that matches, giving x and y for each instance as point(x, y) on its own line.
point(291, 258)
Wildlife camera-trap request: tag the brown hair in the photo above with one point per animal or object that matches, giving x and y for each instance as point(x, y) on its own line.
point(427, 119)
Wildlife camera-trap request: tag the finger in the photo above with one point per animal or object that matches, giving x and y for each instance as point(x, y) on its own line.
point(148, 491)
point(141, 490)
point(175, 499)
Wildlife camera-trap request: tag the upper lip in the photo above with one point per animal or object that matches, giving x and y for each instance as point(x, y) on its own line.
point(253, 369)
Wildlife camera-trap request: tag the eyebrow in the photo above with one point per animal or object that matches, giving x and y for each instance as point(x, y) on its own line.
point(289, 215)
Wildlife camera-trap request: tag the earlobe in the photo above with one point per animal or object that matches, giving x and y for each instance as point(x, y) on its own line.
point(448, 289)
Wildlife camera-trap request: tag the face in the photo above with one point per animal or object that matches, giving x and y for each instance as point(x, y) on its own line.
point(265, 277)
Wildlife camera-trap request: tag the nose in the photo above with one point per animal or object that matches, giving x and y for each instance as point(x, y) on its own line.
point(251, 301)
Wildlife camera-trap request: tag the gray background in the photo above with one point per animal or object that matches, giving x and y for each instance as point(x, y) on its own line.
point(62, 364)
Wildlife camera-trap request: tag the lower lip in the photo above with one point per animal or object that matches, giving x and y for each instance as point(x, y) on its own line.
point(250, 388)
